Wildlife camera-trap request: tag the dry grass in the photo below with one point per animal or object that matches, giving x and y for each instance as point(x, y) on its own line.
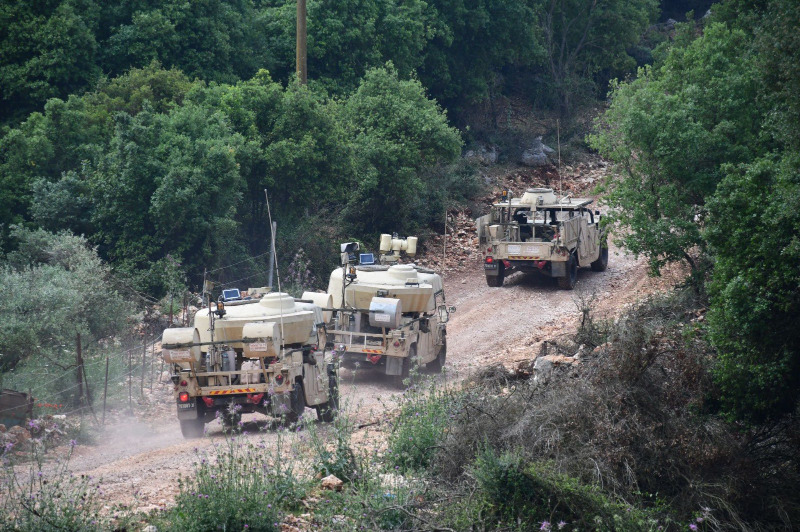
point(638, 421)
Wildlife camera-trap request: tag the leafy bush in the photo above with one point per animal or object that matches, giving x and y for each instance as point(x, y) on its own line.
point(56, 287)
point(425, 414)
point(240, 486)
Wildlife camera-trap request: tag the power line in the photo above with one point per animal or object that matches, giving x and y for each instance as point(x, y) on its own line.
point(238, 263)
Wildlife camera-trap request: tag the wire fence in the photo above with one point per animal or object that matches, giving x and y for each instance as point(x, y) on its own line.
point(136, 368)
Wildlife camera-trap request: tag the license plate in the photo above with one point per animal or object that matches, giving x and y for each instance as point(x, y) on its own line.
point(185, 406)
point(487, 266)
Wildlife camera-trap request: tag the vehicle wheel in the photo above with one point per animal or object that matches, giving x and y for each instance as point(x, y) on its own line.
point(437, 363)
point(601, 263)
point(568, 282)
point(297, 402)
point(409, 371)
point(192, 428)
point(497, 280)
point(327, 411)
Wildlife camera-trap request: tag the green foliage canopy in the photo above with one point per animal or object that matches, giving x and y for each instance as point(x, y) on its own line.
point(55, 287)
point(397, 132)
point(711, 167)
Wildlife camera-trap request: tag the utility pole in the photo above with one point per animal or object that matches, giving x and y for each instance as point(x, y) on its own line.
point(302, 71)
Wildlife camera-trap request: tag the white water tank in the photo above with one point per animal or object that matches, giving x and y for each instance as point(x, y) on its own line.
point(385, 312)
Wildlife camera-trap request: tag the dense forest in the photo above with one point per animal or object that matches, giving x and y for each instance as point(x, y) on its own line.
point(139, 142)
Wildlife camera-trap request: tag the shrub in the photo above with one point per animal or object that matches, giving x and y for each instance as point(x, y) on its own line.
point(535, 496)
point(418, 429)
point(239, 487)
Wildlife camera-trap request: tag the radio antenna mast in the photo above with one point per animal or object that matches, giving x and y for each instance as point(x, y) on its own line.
point(275, 259)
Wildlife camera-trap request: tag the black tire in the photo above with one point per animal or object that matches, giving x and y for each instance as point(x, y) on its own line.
point(407, 375)
point(568, 282)
point(437, 363)
point(193, 428)
point(601, 263)
point(497, 280)
point(297, 403)
point(326, 412)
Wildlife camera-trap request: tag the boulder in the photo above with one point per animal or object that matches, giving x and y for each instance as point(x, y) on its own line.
point(538, 154)
point(483, 154)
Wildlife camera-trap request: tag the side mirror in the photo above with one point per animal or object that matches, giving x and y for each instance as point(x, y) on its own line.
point(444, 313)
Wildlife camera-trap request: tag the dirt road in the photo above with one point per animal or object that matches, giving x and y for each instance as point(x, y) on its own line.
point(138, 461)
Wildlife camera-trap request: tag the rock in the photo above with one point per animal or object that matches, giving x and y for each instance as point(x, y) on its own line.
point(150, 528)
point(165, 377)
point(332, 483)
point(537, 155)
point(543, 367)
point(483, 154)
point(2, 428)
point(20, 434)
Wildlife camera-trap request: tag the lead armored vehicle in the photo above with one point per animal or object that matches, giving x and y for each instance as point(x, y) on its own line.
point(389, 316)
point(543, 233)
point(262, 355)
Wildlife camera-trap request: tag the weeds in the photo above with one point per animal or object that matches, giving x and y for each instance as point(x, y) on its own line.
point(239, 486)
point(50, 498)
point(419, 427)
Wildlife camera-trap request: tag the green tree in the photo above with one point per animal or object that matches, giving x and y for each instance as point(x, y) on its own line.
point(55, 287)
point(397, 133)
point(215, 40)
point(671, 130)
point(753, 225)
point(68, 136)
point(472, 44)
point(348, 37)
point(48, 50)
point(754, 320)
point(587, 39)
point(169, 185)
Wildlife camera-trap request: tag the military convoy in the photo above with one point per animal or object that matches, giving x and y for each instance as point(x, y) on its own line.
point(388, 316)
point(543, 233)
point(264, 355)
point(276, 355)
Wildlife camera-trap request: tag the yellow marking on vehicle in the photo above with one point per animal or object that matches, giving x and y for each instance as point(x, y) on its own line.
point(376, 351)
point(520, 257)
point(229, 392)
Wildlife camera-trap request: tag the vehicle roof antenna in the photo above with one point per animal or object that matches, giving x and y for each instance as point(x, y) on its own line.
point(275, 259)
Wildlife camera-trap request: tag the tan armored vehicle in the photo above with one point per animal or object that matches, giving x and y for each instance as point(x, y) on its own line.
point(541, 232)
point(389, 316)
point(261, 355)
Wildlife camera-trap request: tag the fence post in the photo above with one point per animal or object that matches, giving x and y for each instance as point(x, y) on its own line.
point(144, 353)
point(79, 364)
point(105, 393)
point(130, 379)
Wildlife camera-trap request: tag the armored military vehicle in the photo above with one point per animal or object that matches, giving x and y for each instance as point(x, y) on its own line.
point(389, 316)
point(262, 355)
point(541, 232)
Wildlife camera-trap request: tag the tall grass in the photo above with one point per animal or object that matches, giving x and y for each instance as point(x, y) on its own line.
point(41, 496)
